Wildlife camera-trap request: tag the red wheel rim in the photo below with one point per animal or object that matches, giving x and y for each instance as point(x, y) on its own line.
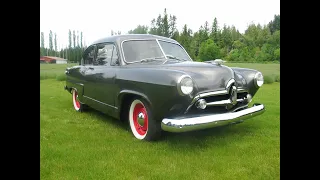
point(140, 110)
point(75, 99)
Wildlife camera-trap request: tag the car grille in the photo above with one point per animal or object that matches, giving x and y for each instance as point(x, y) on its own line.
point(218, 102)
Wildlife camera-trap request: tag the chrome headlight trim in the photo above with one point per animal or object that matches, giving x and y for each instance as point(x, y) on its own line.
point(258, 79)
point(183, 85)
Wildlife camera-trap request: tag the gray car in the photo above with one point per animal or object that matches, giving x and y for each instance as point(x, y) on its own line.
point(152, 82)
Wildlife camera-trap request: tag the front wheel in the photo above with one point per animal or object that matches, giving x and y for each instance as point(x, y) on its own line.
point(143, 126)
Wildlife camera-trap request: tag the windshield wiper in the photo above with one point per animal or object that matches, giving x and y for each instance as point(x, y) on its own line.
point(150, 59)
point(174, 57)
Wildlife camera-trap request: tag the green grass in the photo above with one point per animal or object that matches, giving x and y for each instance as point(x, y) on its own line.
point(53, 71)
point(268, 79)
point(92, 145)
point(266, 69)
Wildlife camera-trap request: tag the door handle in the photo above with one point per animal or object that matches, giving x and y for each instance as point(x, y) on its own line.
point(91, 68)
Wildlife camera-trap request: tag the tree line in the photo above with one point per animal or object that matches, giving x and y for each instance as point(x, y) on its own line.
point(259, 43)
point(72, 52)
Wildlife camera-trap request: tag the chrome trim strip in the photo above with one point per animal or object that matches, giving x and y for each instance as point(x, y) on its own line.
point(255, 79)
point(197, 97)
point(179, 84)
point(100, 102)
point(210, 121)
point(213, 93)
point(219, 103)
point(223, 102)
point(161, 49)
point(241, 90)
point(230, 82)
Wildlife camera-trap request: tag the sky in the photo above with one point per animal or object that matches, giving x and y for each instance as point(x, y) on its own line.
point(96, 18)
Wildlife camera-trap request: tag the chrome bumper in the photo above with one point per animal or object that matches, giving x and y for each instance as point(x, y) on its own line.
point(210, 121)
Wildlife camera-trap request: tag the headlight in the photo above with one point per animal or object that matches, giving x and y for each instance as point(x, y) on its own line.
point(258, 79)
point(185, 85)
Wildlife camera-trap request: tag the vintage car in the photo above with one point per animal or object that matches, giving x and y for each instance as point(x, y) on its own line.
point(152, 82)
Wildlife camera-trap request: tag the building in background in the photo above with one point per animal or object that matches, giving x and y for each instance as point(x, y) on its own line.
point(53, 60)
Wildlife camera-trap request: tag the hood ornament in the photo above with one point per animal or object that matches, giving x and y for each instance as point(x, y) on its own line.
point(218, 62)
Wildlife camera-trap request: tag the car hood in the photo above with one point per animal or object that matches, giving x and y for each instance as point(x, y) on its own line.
point(206, 76)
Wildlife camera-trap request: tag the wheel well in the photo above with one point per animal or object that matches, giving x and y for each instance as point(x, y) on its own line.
point(124, 106)
point(71, 89)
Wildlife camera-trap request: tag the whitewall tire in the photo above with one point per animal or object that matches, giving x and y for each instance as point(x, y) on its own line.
point(142, 125)
point(78, 106)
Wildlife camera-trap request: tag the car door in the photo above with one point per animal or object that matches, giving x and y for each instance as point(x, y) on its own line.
point(88, 72)
point(102, 86)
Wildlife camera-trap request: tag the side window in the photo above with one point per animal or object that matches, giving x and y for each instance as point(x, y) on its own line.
point(104, 54)
point(115, 57)
point(88, 56)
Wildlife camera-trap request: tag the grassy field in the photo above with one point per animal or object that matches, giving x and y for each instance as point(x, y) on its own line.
point(266, 69)
point(92, 145)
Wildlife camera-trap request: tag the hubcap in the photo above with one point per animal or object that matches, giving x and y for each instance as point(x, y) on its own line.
point(76, 100)
point(141, 119)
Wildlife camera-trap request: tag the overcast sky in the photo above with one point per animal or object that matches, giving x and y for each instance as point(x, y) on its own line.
point(96, 18)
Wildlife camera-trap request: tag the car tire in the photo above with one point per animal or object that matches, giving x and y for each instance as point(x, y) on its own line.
point(141, 122)
point(78, 106)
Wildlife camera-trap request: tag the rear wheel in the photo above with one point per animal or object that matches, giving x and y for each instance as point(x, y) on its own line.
point(142, 124)
point(78, 106)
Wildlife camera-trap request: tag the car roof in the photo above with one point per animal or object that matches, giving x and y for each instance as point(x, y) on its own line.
point(120, 38)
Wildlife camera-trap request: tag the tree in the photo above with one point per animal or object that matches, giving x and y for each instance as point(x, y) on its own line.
point(185, 38)
point(159, 26)
point(165, 24)
point(173, 27)
point(175, 35)
point(276, 54)
point(42, 47)
point(226, 38)
point(214, 30)
point(274, 25)
point(206, 29)
point(139, 30)
point(81, 39)
point(50, 43)
point(74, 38)
point(209, 51)
point(153, 29)
point(55, 44)
point(78, 43)
point(70, 39)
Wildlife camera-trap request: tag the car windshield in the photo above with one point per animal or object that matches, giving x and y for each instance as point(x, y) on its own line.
point(174, 50)
point(137, 50)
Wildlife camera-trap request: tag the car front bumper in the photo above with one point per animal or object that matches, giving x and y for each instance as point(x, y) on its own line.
point(209, 121)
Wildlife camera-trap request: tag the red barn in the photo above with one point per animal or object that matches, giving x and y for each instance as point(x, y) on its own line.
point(52, 60)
